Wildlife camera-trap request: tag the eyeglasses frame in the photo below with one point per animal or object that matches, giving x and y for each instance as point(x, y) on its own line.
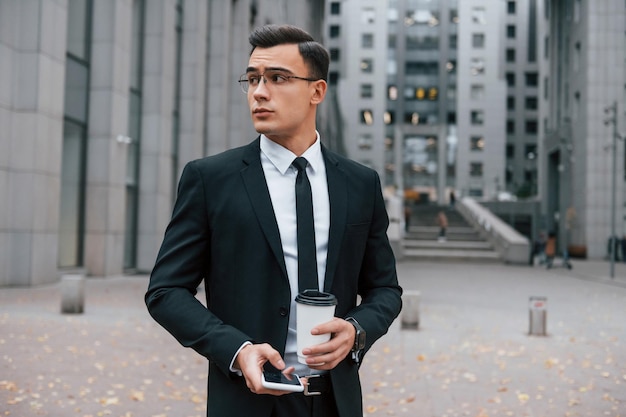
point(245, 84)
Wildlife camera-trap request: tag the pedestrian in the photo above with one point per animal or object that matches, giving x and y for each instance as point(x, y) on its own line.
point(234, 226)
point(408, 212)
point(452, 199)
point(539, 249)
point(442, 222)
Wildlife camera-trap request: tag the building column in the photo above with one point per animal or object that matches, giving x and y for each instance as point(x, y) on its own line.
point(108, 122)
point(32, 59)
point(156, 163)
point(192, 82)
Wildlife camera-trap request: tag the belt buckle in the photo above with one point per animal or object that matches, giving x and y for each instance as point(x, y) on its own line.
point(306, 386)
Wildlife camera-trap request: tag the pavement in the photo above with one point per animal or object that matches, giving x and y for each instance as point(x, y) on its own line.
point(471, 355)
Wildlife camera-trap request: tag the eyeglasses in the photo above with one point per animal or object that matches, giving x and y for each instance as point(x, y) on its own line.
point(271, 78)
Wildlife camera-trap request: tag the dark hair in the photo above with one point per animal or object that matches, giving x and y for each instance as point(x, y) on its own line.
point(314, 54)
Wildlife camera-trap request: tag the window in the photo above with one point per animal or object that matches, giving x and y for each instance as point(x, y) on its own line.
point(510, 7)
point(510, 31)
point(532, 127)
point(510, 55)
point(453, 41)
point(454, 16)
point(479, 16)
point(510, 151)
point(392, 93)
point(510, 103)
point(476, 169)
point(477, 66)
point(477, 91)
point(532, 103)
point(576, 63)
point(335, 31)
point(368, 16)
point(334, 54)
point(367, 91)
point(367, 40)
point(392, 40)
point(414, 42)
point(367, 117)
point(365, 141)
point(333, 78)
point(389, 117)
point(451, 94)
point(335, 8)
point(477, 117)
point(530, 151)
point(422, 68)
point(477, 143)
point(510, 127)
point(510, 79)
point(367, 65)
point(478, 40)
point(532, 79)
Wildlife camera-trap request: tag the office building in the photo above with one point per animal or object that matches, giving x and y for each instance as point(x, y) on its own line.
point(101, 105)
point(584, 87)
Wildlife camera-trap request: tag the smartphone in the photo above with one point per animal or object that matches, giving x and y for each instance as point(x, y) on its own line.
point(282, 382)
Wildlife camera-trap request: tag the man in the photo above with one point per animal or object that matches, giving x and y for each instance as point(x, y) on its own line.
point(234, 225)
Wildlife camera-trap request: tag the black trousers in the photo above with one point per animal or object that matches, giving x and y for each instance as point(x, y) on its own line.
point(299, 405)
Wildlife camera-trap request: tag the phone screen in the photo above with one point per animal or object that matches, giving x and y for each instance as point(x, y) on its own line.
point(280, 378)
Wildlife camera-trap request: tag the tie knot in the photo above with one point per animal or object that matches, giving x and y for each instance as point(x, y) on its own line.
point(300, 163)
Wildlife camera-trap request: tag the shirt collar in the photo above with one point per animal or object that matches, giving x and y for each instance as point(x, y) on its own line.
point(282, 157)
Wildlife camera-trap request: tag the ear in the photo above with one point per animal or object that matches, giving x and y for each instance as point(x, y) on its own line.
point(319, 92)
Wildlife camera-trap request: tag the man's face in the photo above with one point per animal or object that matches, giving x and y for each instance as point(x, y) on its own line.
point(283, 110)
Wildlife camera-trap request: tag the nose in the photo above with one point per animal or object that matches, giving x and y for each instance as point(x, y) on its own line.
point(261, 89)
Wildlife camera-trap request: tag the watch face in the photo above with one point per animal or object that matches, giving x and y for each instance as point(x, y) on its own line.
point(360, 339)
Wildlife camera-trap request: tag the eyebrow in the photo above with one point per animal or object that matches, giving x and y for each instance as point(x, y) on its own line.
point(253, 69)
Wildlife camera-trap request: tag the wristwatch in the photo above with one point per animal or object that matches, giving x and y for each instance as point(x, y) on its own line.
point(359, 339)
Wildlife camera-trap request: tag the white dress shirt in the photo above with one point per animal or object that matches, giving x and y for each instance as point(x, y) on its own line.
point(280, 177)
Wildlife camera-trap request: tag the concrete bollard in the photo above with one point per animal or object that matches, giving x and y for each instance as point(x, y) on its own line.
point(410, 316)
point(72, 294)
point(538, 316)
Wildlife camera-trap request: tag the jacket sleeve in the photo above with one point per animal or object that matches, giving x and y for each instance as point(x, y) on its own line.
point(380, 292)
point(180, 267)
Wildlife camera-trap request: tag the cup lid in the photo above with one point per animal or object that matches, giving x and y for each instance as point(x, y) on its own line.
point(316, 298)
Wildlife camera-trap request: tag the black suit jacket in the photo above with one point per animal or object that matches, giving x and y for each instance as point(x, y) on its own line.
point(223, 231)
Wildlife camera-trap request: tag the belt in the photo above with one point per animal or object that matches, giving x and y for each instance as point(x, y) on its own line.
point(318, 384)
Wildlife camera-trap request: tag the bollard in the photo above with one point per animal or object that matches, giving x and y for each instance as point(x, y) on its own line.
point(410, 317)
point(72, 293)
point(537, 316)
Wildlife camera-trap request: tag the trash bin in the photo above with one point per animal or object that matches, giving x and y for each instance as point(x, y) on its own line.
point(538, 316)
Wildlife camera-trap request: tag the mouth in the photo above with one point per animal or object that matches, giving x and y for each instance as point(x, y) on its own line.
point(261, 111)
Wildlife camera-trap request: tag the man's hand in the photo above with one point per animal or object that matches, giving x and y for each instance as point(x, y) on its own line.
point(326, 356)
point(250, 361)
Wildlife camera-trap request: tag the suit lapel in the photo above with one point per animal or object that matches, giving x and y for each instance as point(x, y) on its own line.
point(259, 195)
point(338, 196)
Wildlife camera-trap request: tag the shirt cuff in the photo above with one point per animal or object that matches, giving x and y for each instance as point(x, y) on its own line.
point(232, 362)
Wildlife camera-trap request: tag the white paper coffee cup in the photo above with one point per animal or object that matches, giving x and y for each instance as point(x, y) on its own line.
point(312, 308)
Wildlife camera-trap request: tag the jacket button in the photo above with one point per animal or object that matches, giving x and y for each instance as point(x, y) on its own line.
point(283, 311)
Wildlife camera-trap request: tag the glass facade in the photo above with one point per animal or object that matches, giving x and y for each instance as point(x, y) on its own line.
point(72, 205)
point(423, 42)
point(134, 132)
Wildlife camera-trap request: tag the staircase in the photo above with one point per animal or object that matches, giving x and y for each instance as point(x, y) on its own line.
point(462, 242)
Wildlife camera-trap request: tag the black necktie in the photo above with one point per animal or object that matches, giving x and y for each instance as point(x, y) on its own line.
point(307, 261)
